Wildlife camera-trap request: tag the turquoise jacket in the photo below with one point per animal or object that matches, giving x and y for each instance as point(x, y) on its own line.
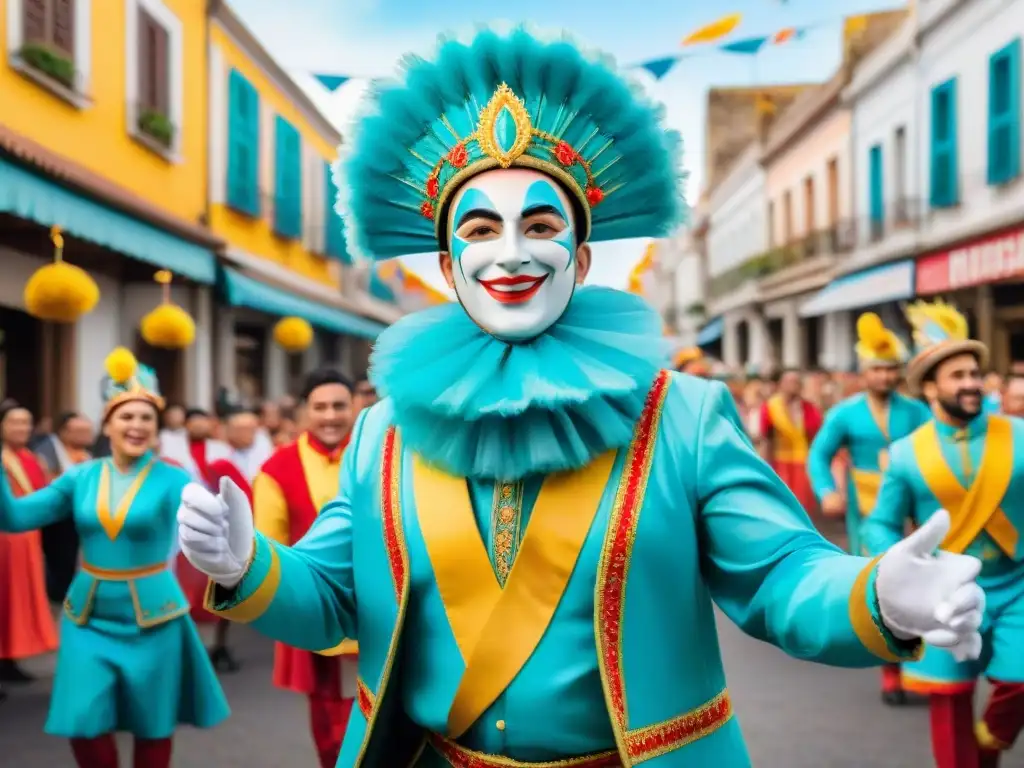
point(916, 478)
point(124, 575)
point(690, 516)
point(852, 425)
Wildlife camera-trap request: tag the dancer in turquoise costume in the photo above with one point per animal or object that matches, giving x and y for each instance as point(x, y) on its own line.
point(130, 658)
point(533, 523)
point(972, 464)
point(865, 425)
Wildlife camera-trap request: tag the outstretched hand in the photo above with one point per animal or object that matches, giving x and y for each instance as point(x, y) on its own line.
point(216, 532)
point(929, 594)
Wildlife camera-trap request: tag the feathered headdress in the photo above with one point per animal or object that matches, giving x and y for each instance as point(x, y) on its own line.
point(940, 332)
point(876, 344)
point(128, 380)
point(506, 100)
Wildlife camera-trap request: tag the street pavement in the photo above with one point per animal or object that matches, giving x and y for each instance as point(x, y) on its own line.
point(794, 715)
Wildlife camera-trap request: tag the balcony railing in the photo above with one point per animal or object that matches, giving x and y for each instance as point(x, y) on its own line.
point(838, 239)
point(902, 215)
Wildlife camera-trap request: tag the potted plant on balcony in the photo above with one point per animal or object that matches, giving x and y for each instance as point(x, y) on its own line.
point(157, 126)
point(53, 64)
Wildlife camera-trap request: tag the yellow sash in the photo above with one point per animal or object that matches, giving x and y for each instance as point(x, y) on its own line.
point(976, 509)
point(866, 485)
point(16, 473)
point(498, 629)
point(790, 438)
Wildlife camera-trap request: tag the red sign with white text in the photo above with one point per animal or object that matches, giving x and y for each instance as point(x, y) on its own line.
point(988, 260)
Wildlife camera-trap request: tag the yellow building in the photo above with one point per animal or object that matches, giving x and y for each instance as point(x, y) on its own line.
point(271, 200)
point(103, 133)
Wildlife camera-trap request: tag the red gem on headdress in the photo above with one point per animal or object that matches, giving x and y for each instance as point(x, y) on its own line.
point(432, 187)
point(427, 209)
point(458, 156)
point(565, 154)
point(594, 195)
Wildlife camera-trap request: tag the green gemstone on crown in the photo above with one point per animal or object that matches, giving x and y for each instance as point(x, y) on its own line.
point(505, 133)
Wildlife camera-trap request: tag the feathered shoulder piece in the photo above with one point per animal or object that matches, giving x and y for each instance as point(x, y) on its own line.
point(504, 100)
point(876, 344)
point(936, 322)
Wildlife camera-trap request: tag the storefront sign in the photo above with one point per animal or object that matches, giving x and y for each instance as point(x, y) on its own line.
point(989, 260)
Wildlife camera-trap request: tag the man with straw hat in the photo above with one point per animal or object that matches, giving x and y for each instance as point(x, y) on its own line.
point(971, 464)
point(865, 425)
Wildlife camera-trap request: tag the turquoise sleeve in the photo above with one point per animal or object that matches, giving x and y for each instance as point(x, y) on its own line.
point(824, 447)
point(48, 505)
point(303, 595)
point(885, 525)
point(767, 567)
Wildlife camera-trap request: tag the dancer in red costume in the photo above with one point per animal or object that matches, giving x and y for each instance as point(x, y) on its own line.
point(789, 424)
point(26, 625)
point(296, 482)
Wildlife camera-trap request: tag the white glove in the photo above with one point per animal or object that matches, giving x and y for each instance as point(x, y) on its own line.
point(932, 596)
point(216, 532)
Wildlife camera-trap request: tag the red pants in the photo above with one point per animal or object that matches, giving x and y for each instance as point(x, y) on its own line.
point(101, 752)
point(328, 718)
point(958, 743)
point(891, 680)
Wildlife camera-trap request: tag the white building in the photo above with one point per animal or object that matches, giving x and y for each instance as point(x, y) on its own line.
point(737, 231)
point(971, 245)
point(681, 263)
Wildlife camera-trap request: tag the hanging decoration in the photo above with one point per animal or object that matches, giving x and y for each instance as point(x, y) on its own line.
point(293, 334)
point(715, 31)
point(60, 292)
point(168, 326)
point(642, 277)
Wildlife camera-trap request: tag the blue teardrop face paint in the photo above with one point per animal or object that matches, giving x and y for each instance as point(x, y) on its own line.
point(514, 251)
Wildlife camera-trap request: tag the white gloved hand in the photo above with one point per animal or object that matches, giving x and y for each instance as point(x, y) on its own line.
point(929, 595)
point(216, 532)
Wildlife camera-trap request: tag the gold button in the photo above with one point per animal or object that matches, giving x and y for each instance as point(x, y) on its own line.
point(500, 725)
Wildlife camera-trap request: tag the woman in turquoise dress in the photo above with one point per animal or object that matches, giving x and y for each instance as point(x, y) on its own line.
point(130, 658)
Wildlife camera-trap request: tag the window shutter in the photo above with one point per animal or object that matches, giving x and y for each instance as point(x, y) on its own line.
point(944, 168)
point(243, 145)
point(34, 21)
point(877, 191)
point(1004, 114)
point(64, 26)
point(295, 186)
point(330, 217)
point(287, 179)
point(161, 71)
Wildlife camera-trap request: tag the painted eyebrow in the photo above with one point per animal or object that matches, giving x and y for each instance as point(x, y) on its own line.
point(541, 210)
point(479, 213)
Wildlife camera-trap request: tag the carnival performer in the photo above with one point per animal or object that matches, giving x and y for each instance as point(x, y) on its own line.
point(788, 425)
point(533, 522)
point(130, 658)
point(296, 483)
point(864, 425)
point(26, 625)
point(194, 448)
point(971, 464)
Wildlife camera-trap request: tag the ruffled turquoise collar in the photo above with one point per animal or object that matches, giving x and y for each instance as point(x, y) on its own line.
point(479, 407)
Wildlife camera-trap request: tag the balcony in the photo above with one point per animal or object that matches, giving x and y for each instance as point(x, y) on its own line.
point(892, 236)
point(774, 269)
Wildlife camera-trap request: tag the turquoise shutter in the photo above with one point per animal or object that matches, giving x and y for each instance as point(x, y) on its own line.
point(944, 162)
point(287, 180)
point(876, 200)
point(243, 145)
point(334, 239)
point(1004, 114)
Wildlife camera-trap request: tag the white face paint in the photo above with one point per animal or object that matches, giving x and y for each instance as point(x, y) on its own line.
point(513, 252)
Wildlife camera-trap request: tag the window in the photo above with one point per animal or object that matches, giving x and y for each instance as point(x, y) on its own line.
point(876, 191)
point(945, 188)
point(243, 145)
point(154, 69)
point(49, 41)
point(900, 167)
point(833, 192)
point(154, 81)
point(809, 222)
point(287, 180)
point(787, 218)
point(771, 224)
point(1004, 114)
point(334, 238)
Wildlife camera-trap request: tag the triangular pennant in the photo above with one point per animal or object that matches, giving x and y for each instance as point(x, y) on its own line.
point(332, 82)
point(748, 46)
point(660, 67)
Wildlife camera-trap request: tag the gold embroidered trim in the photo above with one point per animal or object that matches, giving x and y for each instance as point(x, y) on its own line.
point(506, 527)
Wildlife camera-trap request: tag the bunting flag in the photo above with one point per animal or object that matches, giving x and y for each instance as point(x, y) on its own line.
point(331, 82)
point(714, 31)
point(642, 278)
point(395, 283)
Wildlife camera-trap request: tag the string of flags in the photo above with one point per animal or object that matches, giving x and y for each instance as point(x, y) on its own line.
point(710, 38)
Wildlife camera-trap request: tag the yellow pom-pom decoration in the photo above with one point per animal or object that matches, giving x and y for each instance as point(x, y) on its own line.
point(870, 329)
point(168, 327)
point(293, 334)
point(120, 365)
point(60, 292)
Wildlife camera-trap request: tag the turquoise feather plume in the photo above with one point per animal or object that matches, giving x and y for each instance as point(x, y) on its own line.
point(407, 130)
point(476, 406)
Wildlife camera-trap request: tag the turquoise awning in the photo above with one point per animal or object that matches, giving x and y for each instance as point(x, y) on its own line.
point(711, 332)
point(241, 290)
point(36, 198)
point(878, 285)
